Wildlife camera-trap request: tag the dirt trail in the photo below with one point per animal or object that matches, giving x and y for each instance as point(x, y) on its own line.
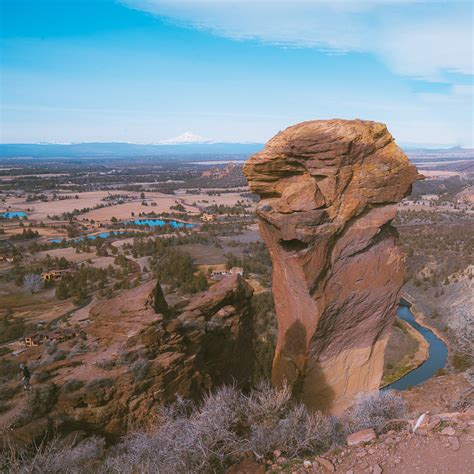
point(407, 453)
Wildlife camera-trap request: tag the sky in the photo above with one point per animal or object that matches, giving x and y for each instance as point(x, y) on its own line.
point(147, 71)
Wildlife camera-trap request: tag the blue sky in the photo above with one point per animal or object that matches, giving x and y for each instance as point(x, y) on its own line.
point(146, 71)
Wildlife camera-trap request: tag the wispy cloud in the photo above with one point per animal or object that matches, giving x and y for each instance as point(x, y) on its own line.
point(414, 38)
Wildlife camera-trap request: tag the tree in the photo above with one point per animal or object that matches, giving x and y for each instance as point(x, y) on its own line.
point(159, 302)
point(32, 282)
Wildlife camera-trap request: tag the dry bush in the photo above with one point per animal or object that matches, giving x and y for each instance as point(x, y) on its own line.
point(374, 410)
point(139, 369)
point(78, 349)
point(58, 354)
point(7, 392)
point(106, 364)
point(55, 458)
point(227, 425)
point(72, 385)
point(203, 441)
point(224, 429)
point(39, 402)
point(278, 423)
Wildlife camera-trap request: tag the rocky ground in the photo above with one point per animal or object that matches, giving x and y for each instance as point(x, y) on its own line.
point(443, 443)
point(448, 448)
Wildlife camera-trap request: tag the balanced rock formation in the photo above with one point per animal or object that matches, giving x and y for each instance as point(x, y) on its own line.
point(329, 191)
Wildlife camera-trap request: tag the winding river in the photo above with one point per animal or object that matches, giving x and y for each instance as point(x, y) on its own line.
point(437, 356)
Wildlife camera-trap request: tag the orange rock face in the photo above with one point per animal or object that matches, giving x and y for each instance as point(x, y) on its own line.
point(329, 191)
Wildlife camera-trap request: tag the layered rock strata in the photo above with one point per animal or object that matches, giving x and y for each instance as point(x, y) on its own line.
point(328, 193)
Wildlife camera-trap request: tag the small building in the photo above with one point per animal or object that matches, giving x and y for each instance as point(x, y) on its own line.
point(206, 217)
point(61, 335)
point(35, 340)
point(54, 275)
point(58, 335)
point(6, 258)
point(219, 273)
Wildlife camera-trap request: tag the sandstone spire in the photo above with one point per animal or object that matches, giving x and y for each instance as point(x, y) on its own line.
point(329, 191)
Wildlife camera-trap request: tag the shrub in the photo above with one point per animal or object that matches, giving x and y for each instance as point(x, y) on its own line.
point(8, 369)
point(41, 377)
point(373, 410)
point(55, 357)
point(276, 422)
point(11, 328)
point(42, 399)
point(7, 393)
point(72, 385)
point(78, 349)
point(4, 351)
point(51, 347)
point(462, 361)
point(55, 458)
point(107, 364)
point(218, 433)
point(221, 431)
point(139, 369)
point(32, 282)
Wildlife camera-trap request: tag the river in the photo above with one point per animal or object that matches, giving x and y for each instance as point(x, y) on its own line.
point(437, 356)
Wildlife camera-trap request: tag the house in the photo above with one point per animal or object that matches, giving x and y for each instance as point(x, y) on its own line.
point(54, 275)
point(61, 335)
point(206, 217)
point(5, 258)
point(218, 274)
point(35, 340)
point(58, 335)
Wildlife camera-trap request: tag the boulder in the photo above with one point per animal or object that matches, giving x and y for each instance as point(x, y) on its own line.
point(326, 464)
point(448, 431)
point(328, 193)
point(362, 436)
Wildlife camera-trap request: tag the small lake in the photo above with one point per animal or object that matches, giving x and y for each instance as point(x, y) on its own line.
point(102, 235)
point(437, 357)
point(14, 215)
point(161, 223)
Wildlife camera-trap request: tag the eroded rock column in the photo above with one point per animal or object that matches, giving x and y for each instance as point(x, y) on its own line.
point(329, 191)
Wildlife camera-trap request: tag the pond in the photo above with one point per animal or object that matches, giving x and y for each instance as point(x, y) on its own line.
point(161, 223)
point(14, 215)
point(437, 357)
point(102, 235)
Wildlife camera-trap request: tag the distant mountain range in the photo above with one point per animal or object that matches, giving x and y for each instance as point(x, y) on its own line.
point(124, 150)
point(117, 149)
